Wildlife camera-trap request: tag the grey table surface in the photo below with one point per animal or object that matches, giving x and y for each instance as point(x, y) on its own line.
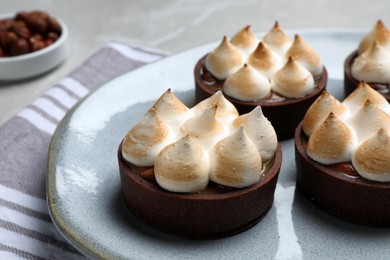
point(172, 26)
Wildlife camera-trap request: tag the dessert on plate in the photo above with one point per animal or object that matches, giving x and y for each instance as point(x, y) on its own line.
point(282, 75)
point(343, 156)
point(370, 62)
point(200, 172)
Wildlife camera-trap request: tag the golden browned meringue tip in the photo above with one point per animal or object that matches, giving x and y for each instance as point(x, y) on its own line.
point(293, 80)
point(303, 52)
point(245, 40)
point(277, 39)
point(247, 84)
point(265, 60)
point(242, 35)
point(235, 161)
point(182, 154)
point(368, 120)
point(362, 92)
point(379, 33)
point(331, 142)
point(372, 158)
point(224, 60)
point(320, 109)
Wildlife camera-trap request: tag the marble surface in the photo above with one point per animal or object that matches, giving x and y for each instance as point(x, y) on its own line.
point(172, 26)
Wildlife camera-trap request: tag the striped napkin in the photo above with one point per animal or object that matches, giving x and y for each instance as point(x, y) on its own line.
point(26, 230)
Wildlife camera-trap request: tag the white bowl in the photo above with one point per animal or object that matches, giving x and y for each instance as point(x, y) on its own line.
point(34, 63)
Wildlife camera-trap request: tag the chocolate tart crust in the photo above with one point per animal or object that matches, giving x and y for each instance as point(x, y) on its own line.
point(350, 83)
point(353, 199)
point(198, 216)
point(284, 115)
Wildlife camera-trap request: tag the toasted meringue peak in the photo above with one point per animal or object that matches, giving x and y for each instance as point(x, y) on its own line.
point(368, 120)
point(247, 84)
point(320, 110)
point(145, 140)
point(225, 109)
point(224, 60)
point(358, 97)
point(260, 131)
point(305, 55)
point(205, 128)
point(331, 142)
point(372, 158)
point(266, 61)
point(277, 40)
point(171, 109)
point(372, 65)
point(182, 167)
point(380, 33)
point(235, 161)
point(245, 40)
point(293, 80)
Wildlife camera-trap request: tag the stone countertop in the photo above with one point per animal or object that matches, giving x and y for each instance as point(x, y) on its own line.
point(172, 26)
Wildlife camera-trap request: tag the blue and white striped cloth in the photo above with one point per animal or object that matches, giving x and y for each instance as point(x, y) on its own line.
point(26, 230)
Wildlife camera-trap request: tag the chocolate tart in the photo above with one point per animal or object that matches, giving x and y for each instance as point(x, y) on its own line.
point(339, 190)
point(350, 83)
point(284, 113)
point(214, 213)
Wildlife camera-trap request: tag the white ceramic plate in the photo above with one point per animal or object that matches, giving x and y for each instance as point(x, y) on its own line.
point(84, 186)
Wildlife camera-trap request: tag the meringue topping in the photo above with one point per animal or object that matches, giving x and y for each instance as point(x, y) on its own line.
point(305, 55)
point(224, 60)
point(372, 158)
point(182, 167)
point(145, 140)
point(380, 33)
point(368, 120)
point(292, 80)
point(277, 40)
point(265, 140)
point(266, 61)
point(181, 159)
point(171, 109)
point(358, 133)
point(267, 57)
point(245, 40)
point(204, 128)
point(319, 111)
point(359, 96)
point(331, 142)
point(235, 161)
point(247, 84)
point(372, 65)
point(226, 111)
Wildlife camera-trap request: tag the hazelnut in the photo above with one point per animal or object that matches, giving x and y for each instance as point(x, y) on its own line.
point(37, 43)
point(21, 16)
point(54, 25)
point(7, 38)
point(52, 36)
point(19, 47)
point(20, 29)
point(36, 24)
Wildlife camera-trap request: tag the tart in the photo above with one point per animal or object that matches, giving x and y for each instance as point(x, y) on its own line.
point(342, 152)
point(370, 62)
point(200, 173)
point(281, 75)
